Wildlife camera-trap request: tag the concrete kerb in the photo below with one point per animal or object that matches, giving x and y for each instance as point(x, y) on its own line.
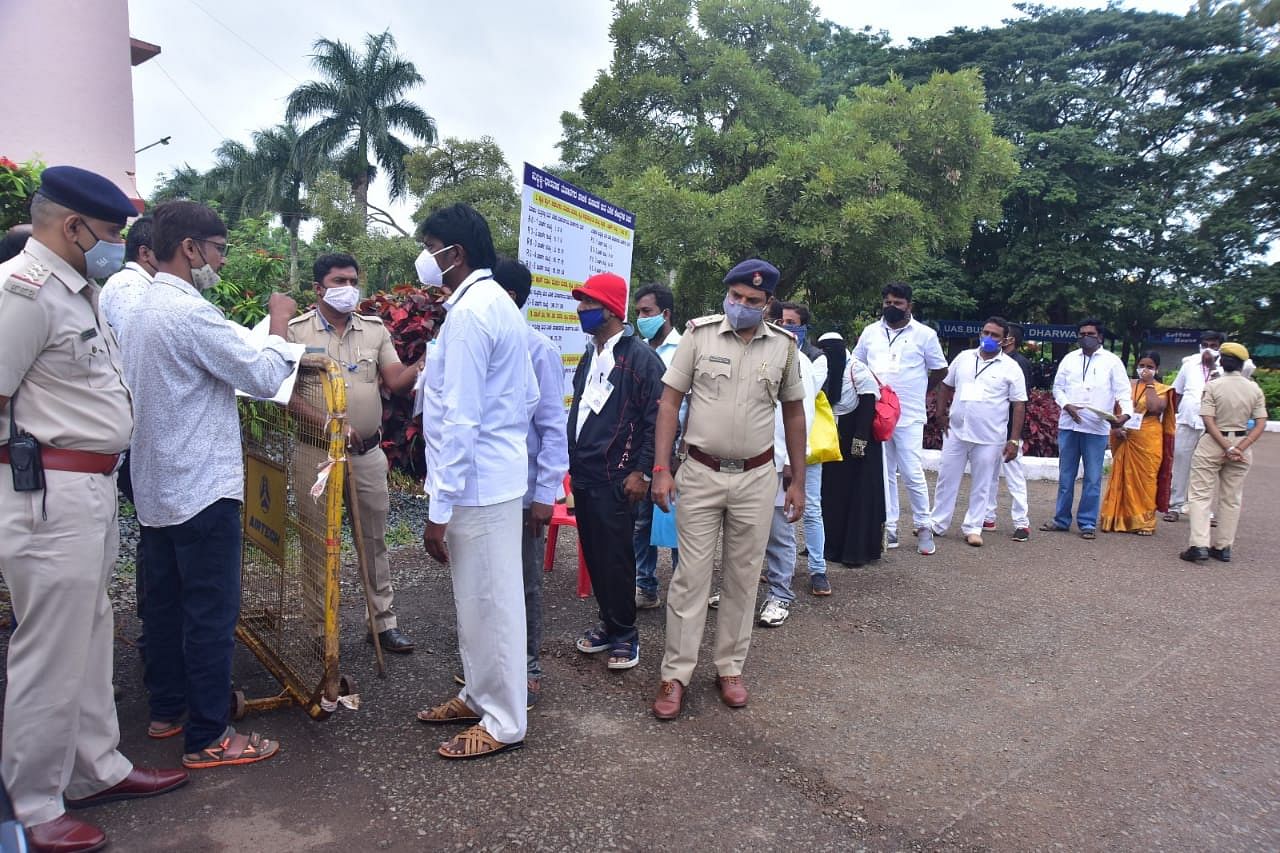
point(1041, 467)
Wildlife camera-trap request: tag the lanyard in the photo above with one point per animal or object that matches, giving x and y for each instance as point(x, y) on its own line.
point(1086, 362)
point(893, 340)
point(977, 359)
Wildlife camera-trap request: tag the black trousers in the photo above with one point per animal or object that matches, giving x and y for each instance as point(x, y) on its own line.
point(606, 528)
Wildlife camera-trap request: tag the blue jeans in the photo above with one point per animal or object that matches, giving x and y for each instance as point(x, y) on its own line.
point(189, 619)
point(1072, 447)
point(815, 539)
point(646, 554)
point(780, 557)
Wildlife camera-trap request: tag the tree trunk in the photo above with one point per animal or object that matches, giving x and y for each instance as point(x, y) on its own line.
point(292, 224)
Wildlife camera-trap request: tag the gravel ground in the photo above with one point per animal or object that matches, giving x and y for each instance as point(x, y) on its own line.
point(1058, 694)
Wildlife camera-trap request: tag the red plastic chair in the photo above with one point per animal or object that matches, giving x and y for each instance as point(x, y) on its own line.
point(561, 515)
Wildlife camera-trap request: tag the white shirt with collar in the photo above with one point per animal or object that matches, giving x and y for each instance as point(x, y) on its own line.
point(121, 294)
point(599, 366)
point(984, 388)
point(902, 358)
point(1189, 386)
point(1098, 381)
point(479, 395)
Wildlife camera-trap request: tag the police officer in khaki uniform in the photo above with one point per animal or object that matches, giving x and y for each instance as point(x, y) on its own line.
point(1222, 456)
point(362, 346)
point(736, 368)
point(61, 388)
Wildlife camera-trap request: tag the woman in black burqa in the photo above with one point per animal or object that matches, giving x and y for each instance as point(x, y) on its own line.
point(853, 498)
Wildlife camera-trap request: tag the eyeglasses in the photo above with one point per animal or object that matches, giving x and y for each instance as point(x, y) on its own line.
point(999, 336)
point(224, 249)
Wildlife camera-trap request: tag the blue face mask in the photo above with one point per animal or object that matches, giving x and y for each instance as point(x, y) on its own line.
point(799, 331)
point(648, 327)
point(990, 345)
point(591, 319)
point(742, 317)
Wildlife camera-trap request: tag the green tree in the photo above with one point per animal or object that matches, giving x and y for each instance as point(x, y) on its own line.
point(474, 172)
point(712, 126)
point(1146, 142)
point(270, 178)
point(359, 107)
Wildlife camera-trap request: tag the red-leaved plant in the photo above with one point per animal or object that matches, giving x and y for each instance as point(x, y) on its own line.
point(1040, 430)
point(412, 316)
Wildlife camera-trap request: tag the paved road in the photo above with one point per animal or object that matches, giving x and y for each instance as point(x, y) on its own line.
point(1057, 694)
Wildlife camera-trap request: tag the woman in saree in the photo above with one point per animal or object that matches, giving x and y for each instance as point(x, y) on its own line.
point(1137, 451)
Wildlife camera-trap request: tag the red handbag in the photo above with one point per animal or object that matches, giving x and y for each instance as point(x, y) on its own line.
point(888, 411)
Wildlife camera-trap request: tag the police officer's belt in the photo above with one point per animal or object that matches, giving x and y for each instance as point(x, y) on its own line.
point(77, 461)
point(735, 466)
point(362, 446)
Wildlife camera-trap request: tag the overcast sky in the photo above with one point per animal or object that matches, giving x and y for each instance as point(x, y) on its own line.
point(502, 68)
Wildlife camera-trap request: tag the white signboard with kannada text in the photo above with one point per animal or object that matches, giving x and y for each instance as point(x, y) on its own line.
point(568, 235)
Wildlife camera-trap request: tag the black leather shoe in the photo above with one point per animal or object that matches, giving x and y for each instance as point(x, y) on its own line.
point(393, 640)
point(1195, 555)
point(1222, 555)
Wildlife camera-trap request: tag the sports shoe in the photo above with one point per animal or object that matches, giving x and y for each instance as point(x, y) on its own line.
point(890, 539)
point(774, 613)
point(1022, 534)
point(989, 524)
point(714, 601)
point(645, 601)
point(819, 585)
point(925, 545)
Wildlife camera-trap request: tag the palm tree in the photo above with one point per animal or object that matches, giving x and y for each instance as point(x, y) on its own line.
point(270, 178)
point(359, 105)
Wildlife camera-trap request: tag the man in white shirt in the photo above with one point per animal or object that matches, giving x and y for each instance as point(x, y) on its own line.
point(1087, 386)
point(123, 291)
point(983, 394)
point(906, 355)
point(479, 395)
point(780, 551)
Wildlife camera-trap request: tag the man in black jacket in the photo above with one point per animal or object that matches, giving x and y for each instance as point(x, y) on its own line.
point(615, 404)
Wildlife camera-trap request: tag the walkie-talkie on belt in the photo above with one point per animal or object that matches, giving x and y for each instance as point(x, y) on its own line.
point(24, 456)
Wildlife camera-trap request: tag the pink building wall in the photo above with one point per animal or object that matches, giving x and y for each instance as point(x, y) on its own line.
point(67, 91)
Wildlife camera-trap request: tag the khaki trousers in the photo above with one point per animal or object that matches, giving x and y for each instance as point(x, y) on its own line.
point(1210, 468)
point(60, 728)
point(369, 472)
point(708, 504)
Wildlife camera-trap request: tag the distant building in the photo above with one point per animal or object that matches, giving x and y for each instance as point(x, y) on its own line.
point(66, 95)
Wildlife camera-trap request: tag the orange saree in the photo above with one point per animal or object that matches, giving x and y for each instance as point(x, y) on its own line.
point(1129, 505)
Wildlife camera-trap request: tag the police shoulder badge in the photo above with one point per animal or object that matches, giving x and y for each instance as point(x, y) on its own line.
point(29, 281)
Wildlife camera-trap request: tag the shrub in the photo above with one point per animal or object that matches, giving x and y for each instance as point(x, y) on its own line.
point(1041, 426)
point(1269, 381)
point(412, 316)
point(18, 182)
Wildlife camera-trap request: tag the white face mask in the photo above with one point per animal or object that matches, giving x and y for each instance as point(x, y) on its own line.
point(429, 272)
point(205, 277)
point(342, 299)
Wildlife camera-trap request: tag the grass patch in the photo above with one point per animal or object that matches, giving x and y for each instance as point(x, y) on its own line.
point(401, 534)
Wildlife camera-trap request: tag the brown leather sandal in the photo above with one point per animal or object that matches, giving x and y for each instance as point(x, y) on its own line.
point(232, 750)
point(453, 711)
point(475, 742)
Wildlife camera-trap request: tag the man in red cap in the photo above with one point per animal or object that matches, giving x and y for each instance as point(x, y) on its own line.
point(615, 404)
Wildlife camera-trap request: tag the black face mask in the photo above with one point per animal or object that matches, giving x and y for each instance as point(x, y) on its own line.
point(893, 314)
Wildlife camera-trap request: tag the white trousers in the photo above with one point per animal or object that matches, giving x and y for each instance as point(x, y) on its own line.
point(1015, 478)
point(60, 730)
point(1184, 447)
point(983, 461)
point(488, 591)
point(902, 456)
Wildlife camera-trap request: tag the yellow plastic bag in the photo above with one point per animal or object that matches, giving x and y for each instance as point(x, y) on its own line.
point(824, 441)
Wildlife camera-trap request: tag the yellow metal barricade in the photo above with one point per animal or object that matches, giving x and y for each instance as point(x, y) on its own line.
point(294, 469)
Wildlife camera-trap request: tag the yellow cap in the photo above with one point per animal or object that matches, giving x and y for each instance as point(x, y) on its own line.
point(1235, 349)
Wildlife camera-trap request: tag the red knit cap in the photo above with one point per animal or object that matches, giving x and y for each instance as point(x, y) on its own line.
point(609, 289)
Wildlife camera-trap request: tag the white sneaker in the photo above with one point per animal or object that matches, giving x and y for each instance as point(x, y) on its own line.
point(774, 613)
point(926, 545)
point(890, 539)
